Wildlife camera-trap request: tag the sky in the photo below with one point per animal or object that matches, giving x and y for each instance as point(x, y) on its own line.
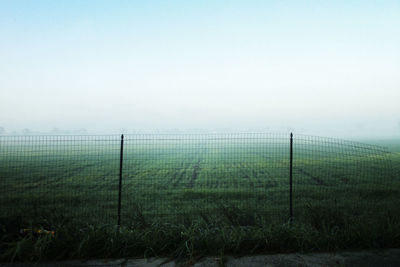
point(328, 68)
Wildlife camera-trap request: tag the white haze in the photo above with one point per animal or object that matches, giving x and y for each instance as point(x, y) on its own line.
point(326, 70)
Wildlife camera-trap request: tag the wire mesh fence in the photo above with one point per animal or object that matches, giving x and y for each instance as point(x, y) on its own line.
point(205, 175)
point(69, 176)
point(352, 177)
point(185, 176)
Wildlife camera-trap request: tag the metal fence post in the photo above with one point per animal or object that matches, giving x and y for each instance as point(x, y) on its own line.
point(121, 156)
point(291, 178)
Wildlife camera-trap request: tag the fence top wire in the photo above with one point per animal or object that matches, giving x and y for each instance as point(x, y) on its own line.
point(159, 136)
point(146, 136)
point(331, 140)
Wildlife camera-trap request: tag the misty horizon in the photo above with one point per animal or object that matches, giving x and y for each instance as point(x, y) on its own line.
point(327, 69)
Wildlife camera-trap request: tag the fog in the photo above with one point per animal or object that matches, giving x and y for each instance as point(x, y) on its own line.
point(329, 69)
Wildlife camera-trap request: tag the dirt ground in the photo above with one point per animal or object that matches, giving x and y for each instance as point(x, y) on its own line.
point(388, 257)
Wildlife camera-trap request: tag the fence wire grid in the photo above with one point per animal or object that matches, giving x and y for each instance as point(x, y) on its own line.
point(175, 176)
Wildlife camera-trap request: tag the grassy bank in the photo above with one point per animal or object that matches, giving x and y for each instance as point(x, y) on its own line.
point(322, 229)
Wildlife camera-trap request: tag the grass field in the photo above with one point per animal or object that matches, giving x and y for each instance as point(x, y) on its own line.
point(238, 180)
point(174, 176)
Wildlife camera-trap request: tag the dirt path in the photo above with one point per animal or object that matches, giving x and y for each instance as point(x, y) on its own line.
point(372, 258)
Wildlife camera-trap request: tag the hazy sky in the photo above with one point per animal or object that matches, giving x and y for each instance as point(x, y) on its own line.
point(318, 67)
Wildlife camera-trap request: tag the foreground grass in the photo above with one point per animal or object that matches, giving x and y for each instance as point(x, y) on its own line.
point(320, 229)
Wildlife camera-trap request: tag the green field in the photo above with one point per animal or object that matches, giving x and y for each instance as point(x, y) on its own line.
point(186, 196)
point(177, 178)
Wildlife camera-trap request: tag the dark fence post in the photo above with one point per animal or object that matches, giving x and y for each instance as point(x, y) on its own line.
point(121, 156)
point(291, 178)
